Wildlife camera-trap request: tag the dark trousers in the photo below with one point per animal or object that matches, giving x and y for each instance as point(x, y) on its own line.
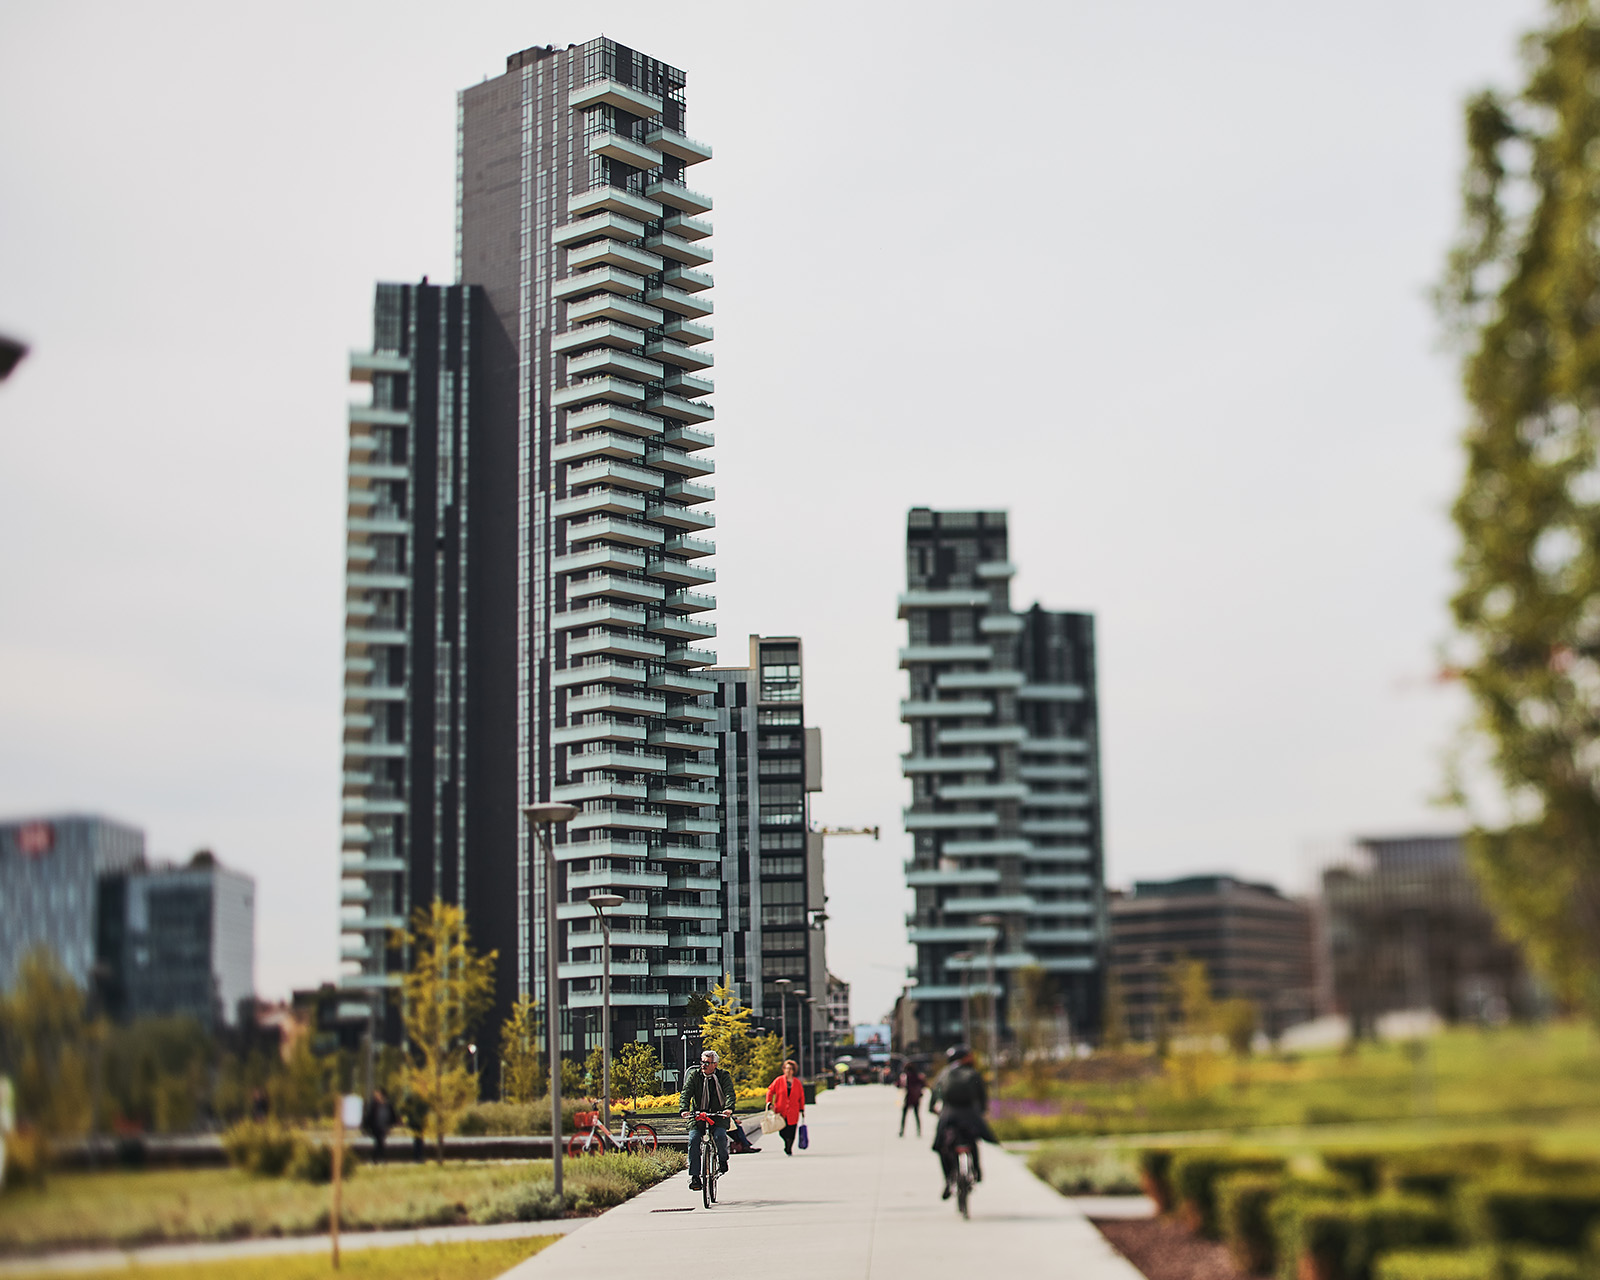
point(719, 1136)
point(912, 1105)
point(960, 1127)
point(787, 1134)
point(379, 1137)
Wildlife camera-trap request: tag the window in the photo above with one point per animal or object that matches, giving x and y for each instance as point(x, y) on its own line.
point(783, 866)
point(781, 840)
point(777, 716)
point(784, 765)
point(780, 682)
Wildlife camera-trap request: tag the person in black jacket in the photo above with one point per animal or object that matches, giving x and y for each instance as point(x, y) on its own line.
point(961, 1099)
point(710, 1089)
point(377, 1119)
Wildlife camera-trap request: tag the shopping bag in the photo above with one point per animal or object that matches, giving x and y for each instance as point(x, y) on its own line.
point(804, 1140)
point(771, 1121)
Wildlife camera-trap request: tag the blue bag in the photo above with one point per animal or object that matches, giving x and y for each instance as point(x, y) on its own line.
point(804, 1140)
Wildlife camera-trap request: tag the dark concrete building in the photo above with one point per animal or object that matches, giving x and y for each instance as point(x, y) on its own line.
point(1407, 928)
point(1005, 781)
point(1255, 943)
point(773, 905)
point(532, 632)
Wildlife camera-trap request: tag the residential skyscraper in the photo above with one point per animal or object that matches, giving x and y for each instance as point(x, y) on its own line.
point(1005, 782)
point(551, 648)
point(771, 764)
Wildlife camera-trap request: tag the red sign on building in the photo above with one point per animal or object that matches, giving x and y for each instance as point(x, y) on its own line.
point(35, 839)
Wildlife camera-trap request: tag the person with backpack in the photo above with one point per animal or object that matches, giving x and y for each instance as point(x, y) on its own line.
point(961, 1101)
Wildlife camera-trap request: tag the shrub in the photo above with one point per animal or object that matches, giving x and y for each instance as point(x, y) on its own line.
point(264, 1148)
point(1244, 1212)
point(1194, 1176)
point(313, 1162)
point(27, 1155)
point(1077, 1170)
point(1362, 1166)
point(1155, 1168)
point(1436, 1174)
point(1517, 1210)
point(1478, 1264)
point(506, 1119)
point(523, 1202)
point(1338, 1240)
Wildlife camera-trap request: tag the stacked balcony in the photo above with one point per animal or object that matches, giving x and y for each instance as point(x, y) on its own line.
point(630, 506)
point(377, 639)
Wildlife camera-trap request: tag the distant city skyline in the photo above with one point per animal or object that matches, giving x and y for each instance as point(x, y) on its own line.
point(1211, 398)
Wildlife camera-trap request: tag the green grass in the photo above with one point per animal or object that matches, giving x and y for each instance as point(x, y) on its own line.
point(131, 1208)
point(477, 1260)
point(1459, 1079)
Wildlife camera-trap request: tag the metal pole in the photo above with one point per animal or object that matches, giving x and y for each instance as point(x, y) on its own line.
point(994, 1012)
point(605, 1020)
point(552, 1019)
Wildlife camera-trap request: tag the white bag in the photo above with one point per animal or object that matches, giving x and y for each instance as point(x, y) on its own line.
point(771, 1121)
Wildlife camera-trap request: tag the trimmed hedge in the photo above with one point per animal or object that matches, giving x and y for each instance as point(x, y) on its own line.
point(1479, 1264)
point(1511, 1210)
point(1155, 1169)
point(1244, 1212)
point(1194, 1175)
point(1340, 1239)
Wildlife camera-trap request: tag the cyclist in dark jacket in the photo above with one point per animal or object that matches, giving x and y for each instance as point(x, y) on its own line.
point(960, 1098)
point(709, 1089)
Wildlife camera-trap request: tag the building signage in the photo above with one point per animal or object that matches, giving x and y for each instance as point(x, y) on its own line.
point(35, 839)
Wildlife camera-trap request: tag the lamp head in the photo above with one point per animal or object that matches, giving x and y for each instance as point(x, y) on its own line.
point(605, 901)
point(785, 983)
point(548, 812)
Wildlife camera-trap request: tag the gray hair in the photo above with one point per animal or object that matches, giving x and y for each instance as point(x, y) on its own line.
point(710, 1053)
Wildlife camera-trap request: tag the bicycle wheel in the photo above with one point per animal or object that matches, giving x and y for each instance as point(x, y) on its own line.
point(578, 1145)
point(708, 1174)
point(963, 1181)
point(641, 1139)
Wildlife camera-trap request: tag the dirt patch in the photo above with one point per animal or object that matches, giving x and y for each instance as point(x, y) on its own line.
point(1164, 1249)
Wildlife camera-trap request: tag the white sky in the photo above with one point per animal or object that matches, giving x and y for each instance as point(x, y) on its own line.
point(1150, 276)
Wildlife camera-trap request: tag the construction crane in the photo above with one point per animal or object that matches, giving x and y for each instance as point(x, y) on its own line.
point(845, 831)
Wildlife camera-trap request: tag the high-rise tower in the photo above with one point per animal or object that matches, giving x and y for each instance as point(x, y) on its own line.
point(1005, 783)
point(584, 565)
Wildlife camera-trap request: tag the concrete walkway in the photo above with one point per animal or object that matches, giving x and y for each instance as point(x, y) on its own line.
point(861, 1202)
point(267, 1247)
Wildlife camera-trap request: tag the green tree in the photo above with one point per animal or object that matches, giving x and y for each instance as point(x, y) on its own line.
point(594, 1071)
point(447, 991)
point(1522, 291)
point(1238, 1020)
point(637, 1070)
point(766, 1059)
point(1114, 1035)
point(726, 1028)
point(573, 1078)
point(47, 1043)
point(524, 1074)
point(1034, 1021)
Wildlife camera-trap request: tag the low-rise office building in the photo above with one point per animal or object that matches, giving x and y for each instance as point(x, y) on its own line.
point(1255, 943)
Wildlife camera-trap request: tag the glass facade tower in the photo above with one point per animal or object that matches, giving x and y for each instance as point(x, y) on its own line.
point(577, 675)
point(1005, 783)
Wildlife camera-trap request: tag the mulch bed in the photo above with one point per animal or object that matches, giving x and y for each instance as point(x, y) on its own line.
point(1164, 1249)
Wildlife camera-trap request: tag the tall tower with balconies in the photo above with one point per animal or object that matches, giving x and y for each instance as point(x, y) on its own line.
point(1005, 787)
point(586, 565)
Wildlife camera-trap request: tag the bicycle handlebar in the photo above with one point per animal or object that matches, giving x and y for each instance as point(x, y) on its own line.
point(703, 1115)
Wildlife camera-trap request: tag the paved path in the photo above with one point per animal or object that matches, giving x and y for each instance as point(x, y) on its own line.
point(860, 1203)
point(223, 1251)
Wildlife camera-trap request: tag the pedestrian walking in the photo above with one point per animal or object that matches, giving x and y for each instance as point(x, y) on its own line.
point(913, 1082)
point(260, 1107)
point(376, 1121)
point(787, 1096)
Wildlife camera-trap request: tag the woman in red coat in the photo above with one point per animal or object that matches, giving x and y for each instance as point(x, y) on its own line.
point(787, 1096)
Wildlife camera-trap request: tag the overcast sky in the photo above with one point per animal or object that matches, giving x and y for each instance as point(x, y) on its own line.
point(1152, 277)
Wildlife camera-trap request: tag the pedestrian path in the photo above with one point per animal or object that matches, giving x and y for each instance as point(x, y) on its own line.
point(266, 1247)
point(861, 1202)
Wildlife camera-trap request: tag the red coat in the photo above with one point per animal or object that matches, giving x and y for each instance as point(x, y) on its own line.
point(787, 1098)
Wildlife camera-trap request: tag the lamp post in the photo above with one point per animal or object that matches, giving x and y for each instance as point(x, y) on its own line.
point(542, 817)
point(799, 1044)
point(811, 1031)
point(783, 985)
point(603, 902)
point(993, 922)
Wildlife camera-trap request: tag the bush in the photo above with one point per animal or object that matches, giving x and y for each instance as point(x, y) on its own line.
point(265, 1148)
point(1435, 1174)
point(1194, 1176)
point(313, 1162)
point(1244, 1212)
point(1478, 1264)
point(1338, 1240)
point(27, 1155)
point(1513, 1210)
point(1155, 1169)
point(1078, 1171)
point(1362, 1166)
point(524, 1202)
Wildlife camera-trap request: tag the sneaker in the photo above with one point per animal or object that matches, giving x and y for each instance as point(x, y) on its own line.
point(695, 1185)
point(722, 1167)
point(945, 1194)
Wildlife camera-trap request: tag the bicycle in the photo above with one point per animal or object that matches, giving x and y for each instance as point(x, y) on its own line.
point(636, 1139)
point(964, 1178)
point(710, 1161)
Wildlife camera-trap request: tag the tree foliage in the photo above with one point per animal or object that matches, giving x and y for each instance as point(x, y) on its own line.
point(1522, 291)
point(726, 1028)
point(766, 1059)
point(636, 1070)
point(524, 1074)
point(446, 993)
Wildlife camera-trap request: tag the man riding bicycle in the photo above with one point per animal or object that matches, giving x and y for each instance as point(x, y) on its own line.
point(710, 1091)
point(960, 1098)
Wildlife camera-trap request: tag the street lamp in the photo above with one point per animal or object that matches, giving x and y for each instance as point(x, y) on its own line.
point(473, 1050)
point(811, 1034)
point(783, 985)
point(542, 817)
point(993, 922)
point(603, 902)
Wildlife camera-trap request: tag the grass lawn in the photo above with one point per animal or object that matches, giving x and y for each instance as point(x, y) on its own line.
point(1543, 1078)
point(478, 1260)
point(148, 1207)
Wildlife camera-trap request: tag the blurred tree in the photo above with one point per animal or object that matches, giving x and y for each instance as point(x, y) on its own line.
point(637, 1070)
point(766, 1059)
point(159, 1071)
point(573, 1078)
point(46, 1046)
point(1522, 293)
point(1035, 1019)
point(524, 1075)
point(1238, 1020)
point(593, 1071)
point(1114, 1035)
point(447, 992)
point(726, 1028)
